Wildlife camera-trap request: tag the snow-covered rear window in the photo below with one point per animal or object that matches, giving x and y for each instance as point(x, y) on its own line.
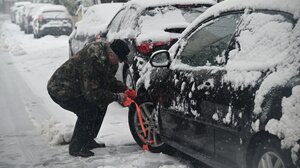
point(55, 14)
point(170, 18)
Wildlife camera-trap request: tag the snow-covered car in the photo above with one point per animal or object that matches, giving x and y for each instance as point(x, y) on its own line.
point(29, 12)
point(52, 20)
point(148, 26)
point(14, 9)
point(95, 20)
point(228, 92)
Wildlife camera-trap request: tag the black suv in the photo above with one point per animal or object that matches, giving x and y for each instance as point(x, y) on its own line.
point(227, 93)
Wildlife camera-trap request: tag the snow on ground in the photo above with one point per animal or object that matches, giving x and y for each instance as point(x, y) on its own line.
point(34, 61)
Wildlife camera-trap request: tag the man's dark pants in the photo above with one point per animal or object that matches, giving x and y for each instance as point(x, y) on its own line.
point(89, 120)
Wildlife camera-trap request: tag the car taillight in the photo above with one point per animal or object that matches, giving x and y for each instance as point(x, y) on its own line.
point(40, 18)
point(146, 47)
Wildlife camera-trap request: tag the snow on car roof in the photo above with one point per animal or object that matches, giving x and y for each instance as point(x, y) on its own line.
point(22, 3)
point(290, 6)
point(53, 8)
point(97, 17)
point(108, 9)
point(150, 3)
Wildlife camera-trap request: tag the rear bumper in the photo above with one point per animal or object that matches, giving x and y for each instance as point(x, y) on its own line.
point(56, 31)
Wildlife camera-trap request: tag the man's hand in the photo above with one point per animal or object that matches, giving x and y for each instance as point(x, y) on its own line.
point(120, 97)
point(130, 93)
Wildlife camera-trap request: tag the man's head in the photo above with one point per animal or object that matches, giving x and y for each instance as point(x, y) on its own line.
point(117, 51)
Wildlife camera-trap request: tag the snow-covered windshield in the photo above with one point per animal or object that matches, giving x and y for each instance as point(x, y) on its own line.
point(55, 14)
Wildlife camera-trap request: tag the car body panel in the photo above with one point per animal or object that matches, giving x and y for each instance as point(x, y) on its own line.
point(52, 19)
point(196, 94)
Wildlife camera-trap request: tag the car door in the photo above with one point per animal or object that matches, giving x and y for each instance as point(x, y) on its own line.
point(196, 73)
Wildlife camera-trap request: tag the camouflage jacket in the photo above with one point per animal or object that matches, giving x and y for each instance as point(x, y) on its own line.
point(86, 74)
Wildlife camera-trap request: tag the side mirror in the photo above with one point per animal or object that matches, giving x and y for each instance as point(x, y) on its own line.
point(160, 58)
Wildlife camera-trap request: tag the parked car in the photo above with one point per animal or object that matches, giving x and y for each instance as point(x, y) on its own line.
point(14, 8)
point(95, 20)
point(29, 12)
point(227, 93)
point(147, 26)
point(22, 12)
point(52, 20)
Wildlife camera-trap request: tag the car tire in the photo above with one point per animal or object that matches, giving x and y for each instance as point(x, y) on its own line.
point(37, 35)
point(269, 154)
point(157, 146)
point(21, 27)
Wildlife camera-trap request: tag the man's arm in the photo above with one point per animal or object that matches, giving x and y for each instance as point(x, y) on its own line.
point(116, 85)
point(93, 81)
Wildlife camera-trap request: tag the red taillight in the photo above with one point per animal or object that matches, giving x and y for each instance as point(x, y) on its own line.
point(40, 18)
point(146, 47)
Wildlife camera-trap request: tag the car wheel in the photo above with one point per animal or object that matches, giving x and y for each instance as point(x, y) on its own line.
point(268, 154)
point(37, 35)
point(150, 118)
point(21, 27)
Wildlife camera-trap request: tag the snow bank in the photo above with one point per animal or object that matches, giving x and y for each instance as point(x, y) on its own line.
point(7, 43)
point(58, 133)
point(288, 127)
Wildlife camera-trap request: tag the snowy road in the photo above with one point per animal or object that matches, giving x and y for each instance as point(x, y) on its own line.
point(32, 126)
point(21, 144)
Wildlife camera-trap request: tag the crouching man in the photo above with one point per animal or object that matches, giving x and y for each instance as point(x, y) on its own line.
point(86, 85)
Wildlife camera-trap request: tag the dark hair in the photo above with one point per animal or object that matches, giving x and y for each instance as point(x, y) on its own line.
point(120, 48)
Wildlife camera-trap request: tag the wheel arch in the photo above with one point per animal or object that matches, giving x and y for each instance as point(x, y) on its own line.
point(257, 138)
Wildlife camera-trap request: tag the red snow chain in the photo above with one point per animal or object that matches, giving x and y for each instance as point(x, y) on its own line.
point(127, 103)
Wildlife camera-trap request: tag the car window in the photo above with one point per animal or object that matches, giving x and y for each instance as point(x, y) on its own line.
point(130, 20)
point(261, 36)
point(55, 14)
point(114, 25)
point(172, 19)
point(207, 45)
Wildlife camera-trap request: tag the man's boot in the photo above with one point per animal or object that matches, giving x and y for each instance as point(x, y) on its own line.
point(83, 153)
point(93, 144)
